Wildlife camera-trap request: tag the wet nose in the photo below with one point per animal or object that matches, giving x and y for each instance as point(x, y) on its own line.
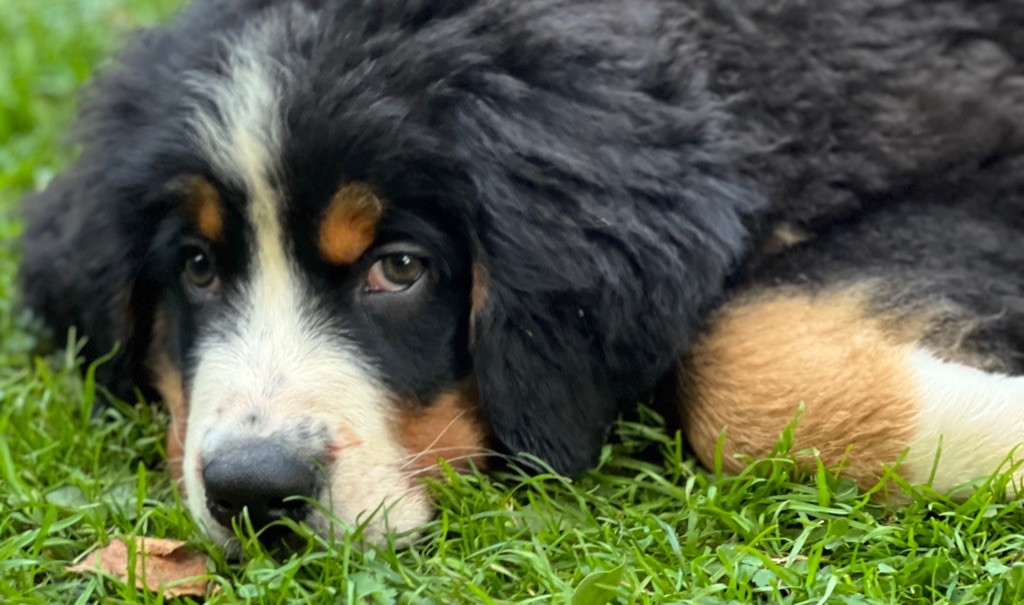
point(261, 475)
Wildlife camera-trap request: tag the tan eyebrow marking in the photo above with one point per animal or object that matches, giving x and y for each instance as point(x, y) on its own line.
point(349, 224)
point(168, 382)
point(204, 209)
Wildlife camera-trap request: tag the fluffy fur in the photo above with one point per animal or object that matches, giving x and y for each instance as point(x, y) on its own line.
point(585, 180)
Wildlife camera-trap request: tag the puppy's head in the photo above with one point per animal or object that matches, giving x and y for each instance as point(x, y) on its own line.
point(342, 243)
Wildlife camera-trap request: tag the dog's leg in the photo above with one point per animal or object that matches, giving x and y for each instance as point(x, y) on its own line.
point(869, 385)
point(904, 341)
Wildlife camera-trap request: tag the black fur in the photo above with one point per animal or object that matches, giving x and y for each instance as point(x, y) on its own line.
point(610, 163)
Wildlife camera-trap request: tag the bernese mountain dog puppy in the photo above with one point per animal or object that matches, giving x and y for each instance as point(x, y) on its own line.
point(342, 239)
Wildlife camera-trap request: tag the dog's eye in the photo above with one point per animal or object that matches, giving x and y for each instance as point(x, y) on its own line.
point(199, 271)
point(394, 273)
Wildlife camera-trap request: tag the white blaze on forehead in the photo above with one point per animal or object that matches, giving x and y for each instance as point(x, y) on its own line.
point(276, 359)
point(237, 120)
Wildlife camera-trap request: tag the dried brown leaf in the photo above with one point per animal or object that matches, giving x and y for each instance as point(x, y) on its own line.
point(159, 564)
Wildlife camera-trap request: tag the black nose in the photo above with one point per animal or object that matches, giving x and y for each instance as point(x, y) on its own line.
point(261, 475)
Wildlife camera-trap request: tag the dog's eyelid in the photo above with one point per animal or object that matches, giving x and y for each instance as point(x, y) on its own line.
point(396, 247)
point(191, 243)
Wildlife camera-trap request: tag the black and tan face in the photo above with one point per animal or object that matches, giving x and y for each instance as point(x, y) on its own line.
point(332, 369)
point(312, 335)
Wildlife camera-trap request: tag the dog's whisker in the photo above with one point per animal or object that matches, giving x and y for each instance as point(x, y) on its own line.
point(440, 435)
point(483, 453)
point(411, 458)
point(462, 451)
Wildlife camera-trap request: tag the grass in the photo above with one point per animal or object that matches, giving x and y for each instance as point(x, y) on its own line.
point(647, 526)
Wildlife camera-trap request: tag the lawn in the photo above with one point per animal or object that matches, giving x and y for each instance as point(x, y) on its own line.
point(647, 526)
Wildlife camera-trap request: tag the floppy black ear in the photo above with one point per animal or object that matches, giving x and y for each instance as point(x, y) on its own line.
point(538, 376)
point(581, 306)
point(78, 270)
point(591, 282)
point(608, 216)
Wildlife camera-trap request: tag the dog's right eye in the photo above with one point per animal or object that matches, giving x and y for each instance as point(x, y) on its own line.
point(394, 273)
point(200, 271)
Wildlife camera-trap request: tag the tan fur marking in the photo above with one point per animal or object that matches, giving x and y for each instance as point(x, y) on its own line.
point(204, 209)
point(168, 383)
point(450, 427)
point(760, 358)
point(345, 438)
point(477, 297)
point(349, 224)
